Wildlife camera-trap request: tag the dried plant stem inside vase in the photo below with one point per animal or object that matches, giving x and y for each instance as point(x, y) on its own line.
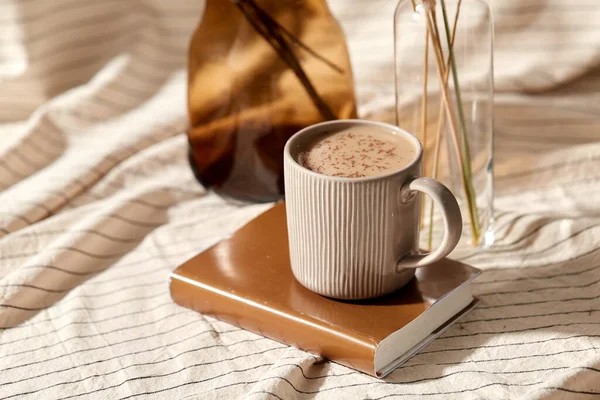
point(424, 114)
point(461, 143)
point(440, 127)
point(470, 191)
point(282, 40)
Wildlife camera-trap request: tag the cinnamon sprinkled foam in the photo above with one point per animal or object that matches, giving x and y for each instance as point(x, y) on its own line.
point(358, 153)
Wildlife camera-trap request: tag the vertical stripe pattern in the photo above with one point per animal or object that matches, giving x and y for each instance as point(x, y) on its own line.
point(343, 234)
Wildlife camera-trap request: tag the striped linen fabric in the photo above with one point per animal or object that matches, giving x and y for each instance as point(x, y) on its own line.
point(98, 205)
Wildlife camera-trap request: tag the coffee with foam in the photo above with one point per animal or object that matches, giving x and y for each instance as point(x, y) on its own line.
point(358, 152)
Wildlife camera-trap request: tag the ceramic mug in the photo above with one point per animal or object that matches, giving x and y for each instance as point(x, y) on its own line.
point(357, 238)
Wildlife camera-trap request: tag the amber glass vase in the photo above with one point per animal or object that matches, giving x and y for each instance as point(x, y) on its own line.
point(259, 71)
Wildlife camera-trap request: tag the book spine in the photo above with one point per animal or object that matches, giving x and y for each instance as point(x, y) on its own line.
point(303, 332)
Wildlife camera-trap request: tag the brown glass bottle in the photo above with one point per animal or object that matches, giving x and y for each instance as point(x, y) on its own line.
point(259, 71)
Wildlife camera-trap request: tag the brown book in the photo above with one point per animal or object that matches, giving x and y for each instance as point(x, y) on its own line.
point(247, 280)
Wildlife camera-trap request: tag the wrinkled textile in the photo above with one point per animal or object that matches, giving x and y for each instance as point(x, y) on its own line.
point(98, 205)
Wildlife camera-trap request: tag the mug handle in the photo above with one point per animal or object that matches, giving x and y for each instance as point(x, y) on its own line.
point(442, 196)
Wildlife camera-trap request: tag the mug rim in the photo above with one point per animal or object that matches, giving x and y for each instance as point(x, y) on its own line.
point(365, 122)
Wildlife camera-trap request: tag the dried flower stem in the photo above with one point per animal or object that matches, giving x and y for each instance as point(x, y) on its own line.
point(435, 172)
point(424, 98)
point(464, 164)
point(424, 114)
point(440, 125)
point(297, 42)
point(467, 172)
point(265, 25)
point(441, 72)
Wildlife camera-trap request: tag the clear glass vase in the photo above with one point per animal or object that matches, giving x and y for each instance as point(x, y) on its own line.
point(446, 98)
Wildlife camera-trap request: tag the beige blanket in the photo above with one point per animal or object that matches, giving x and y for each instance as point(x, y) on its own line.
point(98, 205)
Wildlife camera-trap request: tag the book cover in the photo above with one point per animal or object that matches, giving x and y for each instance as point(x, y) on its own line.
point(247, 280)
